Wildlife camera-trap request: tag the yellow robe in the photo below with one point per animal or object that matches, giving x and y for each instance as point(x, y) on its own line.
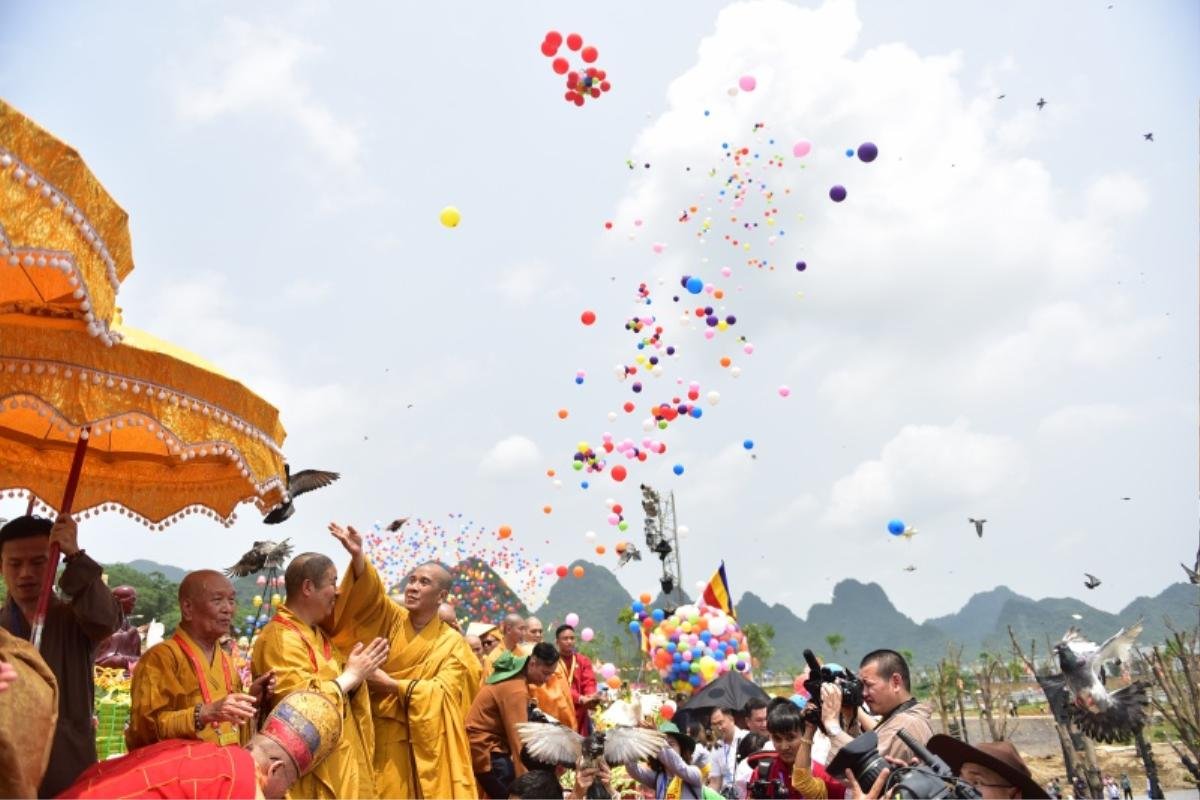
point(348, 771)
point(165, 693)
point(554, 696)
point(423, 725)
point(28, 713)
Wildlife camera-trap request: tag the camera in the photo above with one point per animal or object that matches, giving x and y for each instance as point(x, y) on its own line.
point(818, 675)
point(932, 778)
point(760, 784)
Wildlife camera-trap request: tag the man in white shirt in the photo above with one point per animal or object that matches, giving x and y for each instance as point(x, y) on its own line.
point(724, 751)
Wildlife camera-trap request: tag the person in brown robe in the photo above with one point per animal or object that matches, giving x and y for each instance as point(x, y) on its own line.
point(123, 648)
point(73, 629)
point(28, 712)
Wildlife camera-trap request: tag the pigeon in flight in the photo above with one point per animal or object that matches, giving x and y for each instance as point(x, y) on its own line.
point(558, 744)
point(1091, 581)
point(264, 555)
point(396, 524)
point(978, 523)
point(1041, 103)
point(1104, 716)
point(303, 481)
point(910, 568)
point(1193, 573)
point(631, 554)
point(1000, 96)
point(1149, 137)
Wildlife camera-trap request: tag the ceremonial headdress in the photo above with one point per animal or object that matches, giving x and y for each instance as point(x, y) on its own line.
point(307, 725)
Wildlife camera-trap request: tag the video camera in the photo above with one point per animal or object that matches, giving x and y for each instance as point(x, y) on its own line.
point(818, 675)
point(932, 778)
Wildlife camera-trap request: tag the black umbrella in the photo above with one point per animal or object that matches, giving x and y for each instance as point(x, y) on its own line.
point(731, 690)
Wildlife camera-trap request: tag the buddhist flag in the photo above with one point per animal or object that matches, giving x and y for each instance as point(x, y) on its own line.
point(717, 593)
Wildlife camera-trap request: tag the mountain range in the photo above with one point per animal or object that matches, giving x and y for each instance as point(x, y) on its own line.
point(860, 613)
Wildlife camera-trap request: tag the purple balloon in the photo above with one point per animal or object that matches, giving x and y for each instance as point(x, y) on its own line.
point(838, 193)
point(867, 152)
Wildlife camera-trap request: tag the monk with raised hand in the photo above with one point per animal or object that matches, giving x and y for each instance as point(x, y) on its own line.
point(299, 651)
point(417, 696)
point(187, 687)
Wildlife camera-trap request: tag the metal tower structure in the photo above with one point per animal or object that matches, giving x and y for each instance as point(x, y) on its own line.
point(662, 538)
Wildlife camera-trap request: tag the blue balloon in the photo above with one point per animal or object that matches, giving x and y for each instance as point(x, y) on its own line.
point(748, 444)
point(677, 469)
point(583, 484)
point(638, 607)
point(849, 152)
point(658, 615)
point(697, 412)
point(694, 680)
point(705, 635)
point(895, 527)
point(578, 379)
point(695, 285)
point(634, 627)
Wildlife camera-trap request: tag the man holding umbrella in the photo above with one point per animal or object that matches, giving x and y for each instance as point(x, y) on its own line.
point(73, 629)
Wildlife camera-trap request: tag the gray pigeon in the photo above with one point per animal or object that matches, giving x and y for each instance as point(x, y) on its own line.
point(978, 523)
point(558, 744)
point(1193, 573)
point(1103, 716)
point(631, 554)
point(264, 555)
point(303, 481)
point(397, 524)
point(1090, 580)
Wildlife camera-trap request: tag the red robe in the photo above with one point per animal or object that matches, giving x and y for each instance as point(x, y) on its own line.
point(583, 682)
point(173, 768)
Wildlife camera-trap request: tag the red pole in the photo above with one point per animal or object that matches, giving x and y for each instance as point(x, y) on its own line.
point(39, 617)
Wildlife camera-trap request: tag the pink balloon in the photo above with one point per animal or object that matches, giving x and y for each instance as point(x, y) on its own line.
point(587, 634)
point(784, 391)
point(747, 83)
point(802, 148)
point(572, 619)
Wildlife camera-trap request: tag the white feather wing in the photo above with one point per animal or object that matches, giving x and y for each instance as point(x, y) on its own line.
point(552, 744)
point(623, 745)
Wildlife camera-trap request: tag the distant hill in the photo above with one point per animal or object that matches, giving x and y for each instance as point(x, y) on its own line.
point(861, 613)
point(173, 574)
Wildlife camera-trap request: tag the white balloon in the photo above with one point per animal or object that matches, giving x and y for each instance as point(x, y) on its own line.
point(590, 535)
point(612, 416)
point(735, 371)
point(683, 531)
point(714, 397)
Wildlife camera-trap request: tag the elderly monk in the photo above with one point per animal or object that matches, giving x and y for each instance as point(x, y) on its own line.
point(187, 687)
point(72, 631)
point(502, 704)
point(301, 655)
point(28, 711)
point(512, 639)
point(535, 631)
point(421, 747)
point(124, 647)
point(294, 740)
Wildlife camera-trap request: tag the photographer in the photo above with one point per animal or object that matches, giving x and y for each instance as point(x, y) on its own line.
point(887, 692)
point(671, 774)
point(792, 773)
point(995, 769)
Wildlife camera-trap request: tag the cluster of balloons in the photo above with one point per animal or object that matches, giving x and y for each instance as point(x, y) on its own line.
point(583, 83)
point(693, 645)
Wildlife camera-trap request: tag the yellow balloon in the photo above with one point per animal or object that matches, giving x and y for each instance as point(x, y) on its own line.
point(450, 217)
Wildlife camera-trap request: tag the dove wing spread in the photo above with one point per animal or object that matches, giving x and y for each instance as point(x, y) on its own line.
point(308, 479)
point(247, 565)
point(549, 743)
point(1117, 646)
point(625, 745)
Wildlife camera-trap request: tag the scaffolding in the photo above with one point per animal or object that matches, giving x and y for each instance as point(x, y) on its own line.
point(662, 538)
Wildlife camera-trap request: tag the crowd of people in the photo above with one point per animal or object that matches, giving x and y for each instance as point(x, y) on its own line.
point(353, 694)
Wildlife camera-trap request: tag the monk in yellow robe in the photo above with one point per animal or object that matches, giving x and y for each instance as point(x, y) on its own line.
point(28, 713)
point(186, 687)
point(303, 659)
point(421, 747)
point(512, 640)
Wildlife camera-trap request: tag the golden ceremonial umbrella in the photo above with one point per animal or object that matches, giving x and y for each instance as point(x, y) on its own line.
point(64, 242)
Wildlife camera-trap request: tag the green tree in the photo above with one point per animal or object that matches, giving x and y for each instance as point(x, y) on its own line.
point(835, 641)
point(157, 597)
point(758, 638)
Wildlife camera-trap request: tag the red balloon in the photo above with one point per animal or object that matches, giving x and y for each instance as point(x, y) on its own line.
point(641, 456)
point(589, 54)
point(574, 41)
point(549, 48)
point(578, 99)
point(618, 473)
point(561, 66)
point(561, 572)
point(554, 37)
point(587, 317)
point(605, 86)
point(617, 509)
point(595, 92)
point(601, 74)
point(628, 407)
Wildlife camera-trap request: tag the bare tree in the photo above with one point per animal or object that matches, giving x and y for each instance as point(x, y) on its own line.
point(991, 678)
point(1175, 669)
point(942, 699)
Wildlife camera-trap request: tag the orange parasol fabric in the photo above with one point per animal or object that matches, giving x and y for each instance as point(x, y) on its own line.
point(168, 434)
point(64, 242)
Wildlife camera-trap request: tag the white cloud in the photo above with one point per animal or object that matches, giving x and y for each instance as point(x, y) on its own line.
point(258, 68)
point(523, 284)
point(1084, 420)
point(511, 457)
point(926, 464)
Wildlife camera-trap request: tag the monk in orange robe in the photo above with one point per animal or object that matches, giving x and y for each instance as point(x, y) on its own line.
point(417, 697)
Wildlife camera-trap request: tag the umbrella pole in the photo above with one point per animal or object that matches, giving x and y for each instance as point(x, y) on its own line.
point(39, 617)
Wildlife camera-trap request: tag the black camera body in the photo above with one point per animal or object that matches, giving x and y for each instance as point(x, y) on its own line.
point(818, 675)
point(760, 784)
point(933, 778)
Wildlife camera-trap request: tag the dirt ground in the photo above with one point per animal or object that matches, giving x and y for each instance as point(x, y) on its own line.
point(1113, 761)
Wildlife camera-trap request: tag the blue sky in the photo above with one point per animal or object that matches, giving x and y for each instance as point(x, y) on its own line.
point(1012, 337)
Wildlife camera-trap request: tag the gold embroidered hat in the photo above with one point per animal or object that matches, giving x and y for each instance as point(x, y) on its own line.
point(307, 725)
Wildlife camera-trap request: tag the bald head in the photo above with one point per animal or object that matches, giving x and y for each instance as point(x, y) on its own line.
point(534, 630)
point(513, 630)
point(276, 768)
point(476, 645)
point(206, 605)
point(425, 590)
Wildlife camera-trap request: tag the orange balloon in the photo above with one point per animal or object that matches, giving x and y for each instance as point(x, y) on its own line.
point(546, 509)
point(645, 597)
point(620, 548)
point(549, 473)
point(505, 531)
point(562, 413)
point(613, 682)
point(718, 294)
point(726, 361)
point(600, 549)
point(577, 572)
